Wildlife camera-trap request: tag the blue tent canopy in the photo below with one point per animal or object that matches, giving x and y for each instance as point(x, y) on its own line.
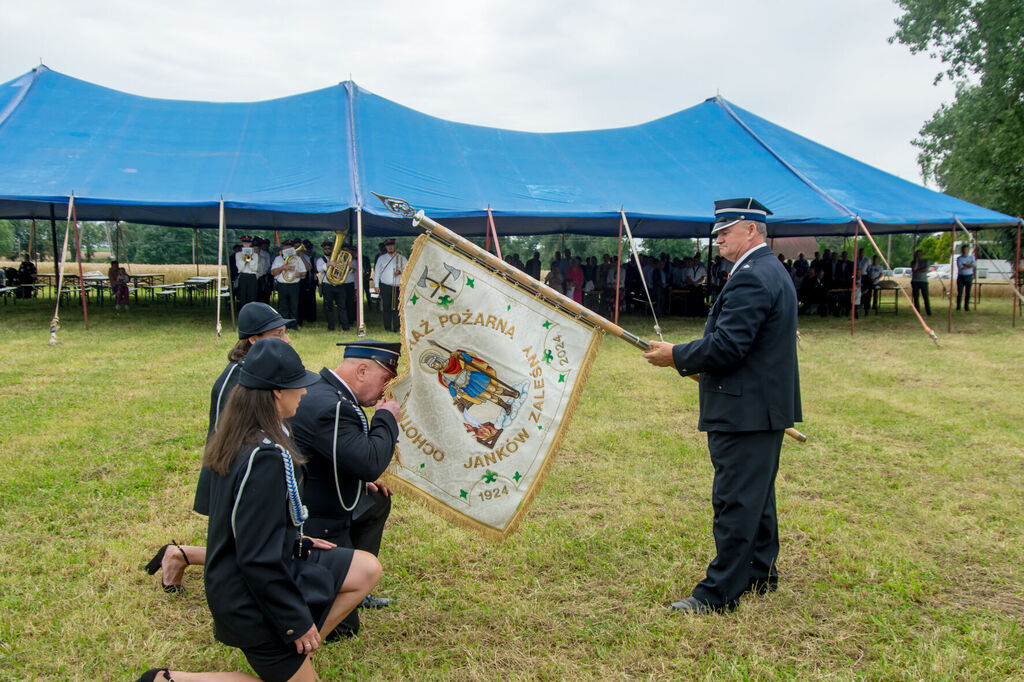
point(310, 160)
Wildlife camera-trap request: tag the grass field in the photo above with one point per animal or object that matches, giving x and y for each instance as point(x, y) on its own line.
point(902, 520)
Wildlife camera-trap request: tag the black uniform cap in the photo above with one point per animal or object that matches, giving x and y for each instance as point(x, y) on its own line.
point(255, 318)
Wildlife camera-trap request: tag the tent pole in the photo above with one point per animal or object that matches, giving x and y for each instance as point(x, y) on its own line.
point(618, 270)
point(903, 291)
point(56, 255)
point(220, 263)
point(853, 284)
point(195, 249)
point(32, 240)
point(494, 231)
point(59, 268)
point(952, 277)
point(81, 278)
point(360, 320)
point(1015, 275)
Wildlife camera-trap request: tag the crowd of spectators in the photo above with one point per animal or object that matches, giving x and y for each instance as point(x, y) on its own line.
point(825, 283)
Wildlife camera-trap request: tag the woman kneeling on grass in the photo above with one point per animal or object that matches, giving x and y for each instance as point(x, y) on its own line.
point(273, 593)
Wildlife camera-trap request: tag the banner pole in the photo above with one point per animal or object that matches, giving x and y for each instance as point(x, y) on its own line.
point(531, 286)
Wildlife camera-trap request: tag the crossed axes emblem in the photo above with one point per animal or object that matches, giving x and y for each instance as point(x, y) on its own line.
point(439, 285)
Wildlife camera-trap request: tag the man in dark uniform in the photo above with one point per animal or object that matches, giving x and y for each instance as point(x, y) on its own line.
point(749, 395)
point(347, 453)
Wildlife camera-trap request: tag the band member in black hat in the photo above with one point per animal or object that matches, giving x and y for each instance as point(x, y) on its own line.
point(255, 321)
point(348, 452)
point(248, 263)
point(749, 395)
point(387, 273)
point(274, 592)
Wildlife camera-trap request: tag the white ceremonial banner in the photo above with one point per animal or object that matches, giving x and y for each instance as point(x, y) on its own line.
point(494, 374)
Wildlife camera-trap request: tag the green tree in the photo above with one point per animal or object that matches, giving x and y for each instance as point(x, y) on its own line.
point(972, 148)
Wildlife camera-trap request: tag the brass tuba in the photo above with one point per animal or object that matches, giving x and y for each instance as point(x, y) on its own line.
point(336, 274)
point(291, 264)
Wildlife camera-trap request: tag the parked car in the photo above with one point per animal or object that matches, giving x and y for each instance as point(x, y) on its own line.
point(901, 272)
point(939, 271)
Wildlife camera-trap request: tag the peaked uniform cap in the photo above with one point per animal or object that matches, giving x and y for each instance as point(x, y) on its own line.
point(728, 212)
point(384, 352)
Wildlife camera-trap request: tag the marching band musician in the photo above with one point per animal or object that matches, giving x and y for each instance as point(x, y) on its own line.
point(387, 273)
point(336, 303)
point(247, 263)
point(274, 592)
point(287, 272)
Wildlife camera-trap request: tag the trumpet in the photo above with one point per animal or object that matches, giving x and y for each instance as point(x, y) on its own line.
point(336, 274)
point(291, 264)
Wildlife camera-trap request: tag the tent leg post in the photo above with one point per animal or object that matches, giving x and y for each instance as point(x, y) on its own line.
point(853, 284)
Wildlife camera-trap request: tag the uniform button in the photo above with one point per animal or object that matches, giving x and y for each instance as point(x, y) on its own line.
point(289, 632)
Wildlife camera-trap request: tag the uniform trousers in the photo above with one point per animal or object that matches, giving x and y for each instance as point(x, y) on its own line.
point(288, 301)
point(248, 288)
point(335, 305)
point(390, 297)
point(745, 523)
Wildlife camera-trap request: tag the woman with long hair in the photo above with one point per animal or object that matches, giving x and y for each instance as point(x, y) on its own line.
point(255, 321)
point(273, 592)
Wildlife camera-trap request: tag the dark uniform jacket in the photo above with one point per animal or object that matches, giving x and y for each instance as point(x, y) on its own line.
point(227, 380)
point(749, 379)
point(364, 451)
point(257, 591)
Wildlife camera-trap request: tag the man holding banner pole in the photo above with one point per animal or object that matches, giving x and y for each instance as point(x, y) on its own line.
point(749, 395)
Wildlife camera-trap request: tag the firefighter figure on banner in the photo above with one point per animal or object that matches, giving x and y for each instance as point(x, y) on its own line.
point(488, 404)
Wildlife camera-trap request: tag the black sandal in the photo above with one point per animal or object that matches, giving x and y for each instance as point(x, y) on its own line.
point(150, 675)
point(154, 565)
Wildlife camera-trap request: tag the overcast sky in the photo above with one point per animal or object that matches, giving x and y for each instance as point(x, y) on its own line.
point(822, 68)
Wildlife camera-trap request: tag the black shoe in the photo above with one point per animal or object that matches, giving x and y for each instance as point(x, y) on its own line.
point(700, 608)
point(371, 602)
point(154, 565)
point(150, 675)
